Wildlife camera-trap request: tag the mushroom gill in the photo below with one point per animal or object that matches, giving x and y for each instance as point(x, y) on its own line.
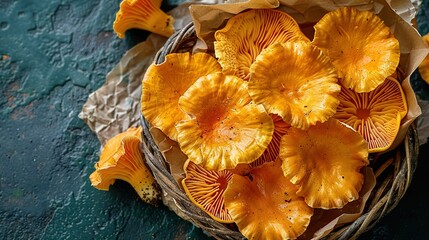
point(272, 152)
point(246, 34)
point(376, 115)
point(205, 188)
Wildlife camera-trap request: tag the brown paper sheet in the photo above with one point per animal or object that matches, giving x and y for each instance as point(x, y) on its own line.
point(115, 106)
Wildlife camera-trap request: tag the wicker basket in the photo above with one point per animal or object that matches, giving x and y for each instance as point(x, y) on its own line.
point(390, 188)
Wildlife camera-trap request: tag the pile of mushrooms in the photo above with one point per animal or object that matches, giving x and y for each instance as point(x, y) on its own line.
point(275, 125)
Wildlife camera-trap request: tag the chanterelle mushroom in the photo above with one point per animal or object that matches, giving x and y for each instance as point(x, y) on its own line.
point(264, 204)
point(121, 159)
point(205, 188)
point(246, 34)
point(225, 128)
point(360, 45)
point(296, 81)
point(164, 84)
point(376, 115)
point(143, 14)
point(324, 162)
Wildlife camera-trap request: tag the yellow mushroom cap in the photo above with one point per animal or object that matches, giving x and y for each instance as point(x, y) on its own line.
point(246, 34)
point(324, 162)
point(225, 128)
point(143, 14)
point(376, 115)
point(121, 159)
point(360, 45)
point(424, 65)
point(205, 188)
point(264, 205)
point(272, 152)
point(296, 81)
point(164, 84)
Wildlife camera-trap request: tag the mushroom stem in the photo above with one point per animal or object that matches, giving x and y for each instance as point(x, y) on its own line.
point(146, 187)
point(137, 174)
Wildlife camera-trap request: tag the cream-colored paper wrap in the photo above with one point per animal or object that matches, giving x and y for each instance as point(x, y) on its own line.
point(115, 106)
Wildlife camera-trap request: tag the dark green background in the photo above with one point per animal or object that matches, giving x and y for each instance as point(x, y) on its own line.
point(53, 54)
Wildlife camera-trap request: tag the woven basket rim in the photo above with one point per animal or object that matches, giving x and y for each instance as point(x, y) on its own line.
point(385, 196)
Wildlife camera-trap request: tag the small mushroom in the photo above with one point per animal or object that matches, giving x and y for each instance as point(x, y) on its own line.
point(304, 93)
point(205, 188)
point(360, 45)
point(376, 115)
point(164, 84)
point(424, 65)
point(225, 128)
point(246, 34)
point(143, 14)
point(264, 204)
point(324, 162)
point(121, 159)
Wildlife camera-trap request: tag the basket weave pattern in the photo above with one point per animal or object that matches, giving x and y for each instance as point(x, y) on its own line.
point(391, 184)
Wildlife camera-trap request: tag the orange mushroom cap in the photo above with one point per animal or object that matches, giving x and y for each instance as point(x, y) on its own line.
point(324, 162)
point(225, 128)
point(246, 34)
point(143, 14)
point(376, 115)
point(205, 188)
point(121, 159)
point(165, 83)
point(324, 221)
point(360, 45)
point(296, 81)
point(264, 205)
point(272, 152)
point(424, 65)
